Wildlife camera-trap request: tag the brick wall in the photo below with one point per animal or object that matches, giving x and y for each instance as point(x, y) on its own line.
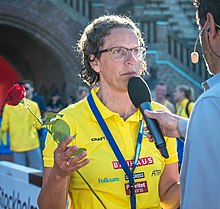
point(169, 76)
point(39, 38)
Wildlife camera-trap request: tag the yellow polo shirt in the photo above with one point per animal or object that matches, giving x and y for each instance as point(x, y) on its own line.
point(181, 108)
point(21, 125)
point(166, 103)
point(104, 172)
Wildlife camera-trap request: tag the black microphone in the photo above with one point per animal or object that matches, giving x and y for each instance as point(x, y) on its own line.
point(140, 96)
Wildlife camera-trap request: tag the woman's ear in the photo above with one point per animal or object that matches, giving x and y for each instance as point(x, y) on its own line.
point(94, 62)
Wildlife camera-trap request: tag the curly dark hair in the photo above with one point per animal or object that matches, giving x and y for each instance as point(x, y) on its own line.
point(205, 6)
point(93, 38)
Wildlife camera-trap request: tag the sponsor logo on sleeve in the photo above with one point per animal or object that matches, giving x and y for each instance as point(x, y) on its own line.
point(156, 172)
point(140, 187)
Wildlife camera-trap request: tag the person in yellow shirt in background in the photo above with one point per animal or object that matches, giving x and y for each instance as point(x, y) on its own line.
point(3, 135)
point(184, 96)
point(160, 92)
point(113, 51)
point(22, 127)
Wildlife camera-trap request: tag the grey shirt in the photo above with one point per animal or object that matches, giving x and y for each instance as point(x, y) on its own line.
point(200, 174)
point(182, 127)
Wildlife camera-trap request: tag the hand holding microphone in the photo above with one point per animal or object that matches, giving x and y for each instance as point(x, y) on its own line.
point(141, 98)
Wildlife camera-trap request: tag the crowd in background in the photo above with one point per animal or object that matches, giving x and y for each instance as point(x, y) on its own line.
point(180, 101)
point(27, 140)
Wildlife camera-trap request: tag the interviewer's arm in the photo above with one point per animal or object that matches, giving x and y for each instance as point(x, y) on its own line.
point(171, 125)
point(182, 127)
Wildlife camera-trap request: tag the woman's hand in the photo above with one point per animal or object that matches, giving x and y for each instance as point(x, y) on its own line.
point(64, 162)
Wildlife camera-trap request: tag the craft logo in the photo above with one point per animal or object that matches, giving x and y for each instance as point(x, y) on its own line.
point(13, 201)
point(141, 162)
point(98, 138)
point(156, 173)
point(136, 176)
point(107, 180)
point(140, 187)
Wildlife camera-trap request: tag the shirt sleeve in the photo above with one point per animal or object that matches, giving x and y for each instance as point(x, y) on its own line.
point(5, 119)
point(37, 113)
point(182, 127)
point(48, 152)
point(170, 142)
point(172, 150)
point(201, 164)
point(51, 145)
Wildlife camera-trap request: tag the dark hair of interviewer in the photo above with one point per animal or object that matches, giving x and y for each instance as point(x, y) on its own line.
point(205, 6)
point(93, 39)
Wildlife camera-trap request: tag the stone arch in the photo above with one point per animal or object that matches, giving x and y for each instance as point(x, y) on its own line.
point(44, 92)
point(8, 76)
point(54, 89)
point(38, 49)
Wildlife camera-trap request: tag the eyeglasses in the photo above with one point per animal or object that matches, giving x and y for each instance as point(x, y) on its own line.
point(26, 88)
point(120, 53)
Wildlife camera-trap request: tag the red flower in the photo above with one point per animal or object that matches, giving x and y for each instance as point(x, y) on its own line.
point(15, 94)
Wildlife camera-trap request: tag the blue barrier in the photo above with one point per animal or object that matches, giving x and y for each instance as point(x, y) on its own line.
point(4, 142)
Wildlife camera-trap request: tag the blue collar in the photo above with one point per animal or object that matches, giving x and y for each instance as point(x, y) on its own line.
point(211, 82)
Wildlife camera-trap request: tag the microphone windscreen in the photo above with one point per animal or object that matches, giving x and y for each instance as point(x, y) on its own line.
point(138, 91)
point(194, 57)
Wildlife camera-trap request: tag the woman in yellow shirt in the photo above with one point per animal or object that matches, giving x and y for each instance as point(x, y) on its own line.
point(184, 96)
point(113, 52)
